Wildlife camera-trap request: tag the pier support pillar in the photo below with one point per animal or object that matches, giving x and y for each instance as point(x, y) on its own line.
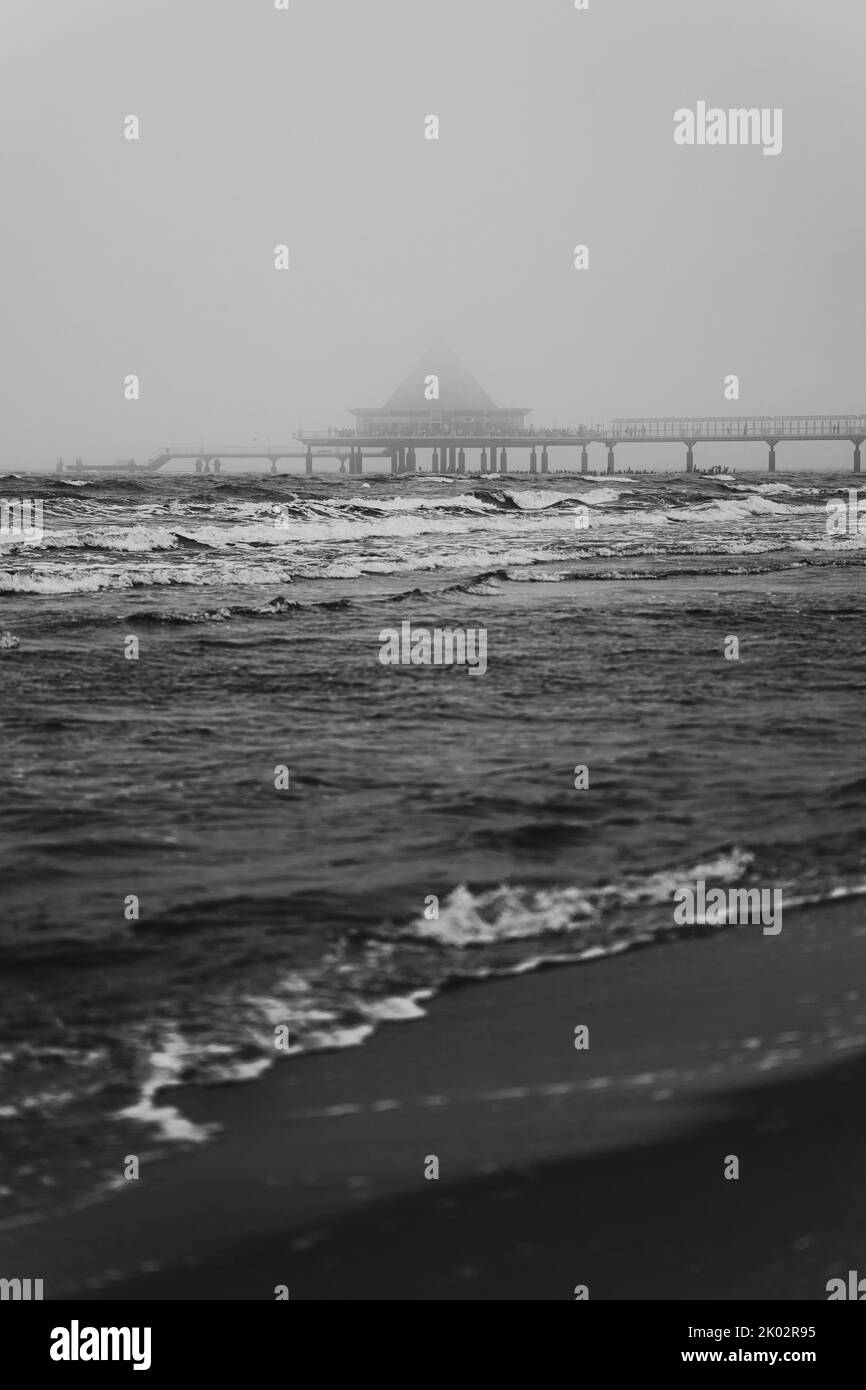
point(503, 461)
point(610, 463)
point(545, 459)
point(772, 456)
point(393, 460)
point(309, 461)
point(413, 464)
point(461, 461)
point(857, 443)
point(690, 459)
point(533, 461)
point(482, 464)
point(584, 459)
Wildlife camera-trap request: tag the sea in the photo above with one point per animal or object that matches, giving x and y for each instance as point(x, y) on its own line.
point(232, 836)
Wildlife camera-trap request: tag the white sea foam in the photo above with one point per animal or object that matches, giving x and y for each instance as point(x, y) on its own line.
point(510, 912)
point(165, 1068)
point(467, 500)
point(531, 500)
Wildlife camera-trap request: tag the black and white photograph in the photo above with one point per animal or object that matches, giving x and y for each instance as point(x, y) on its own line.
point(432, 544)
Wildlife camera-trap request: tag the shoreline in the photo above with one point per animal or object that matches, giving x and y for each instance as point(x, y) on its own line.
point(606, 1162)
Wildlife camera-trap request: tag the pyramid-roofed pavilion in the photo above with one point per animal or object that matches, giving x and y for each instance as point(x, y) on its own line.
point(460, 403)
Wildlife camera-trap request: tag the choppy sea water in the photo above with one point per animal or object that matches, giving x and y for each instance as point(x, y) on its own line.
point(258, 605)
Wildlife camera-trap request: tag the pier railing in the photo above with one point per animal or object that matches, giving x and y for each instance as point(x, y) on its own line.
point(448, 431)
point(679, 428)
point(761, 427)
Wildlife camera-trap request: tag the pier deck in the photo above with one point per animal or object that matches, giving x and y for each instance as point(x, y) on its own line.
point(449, 447)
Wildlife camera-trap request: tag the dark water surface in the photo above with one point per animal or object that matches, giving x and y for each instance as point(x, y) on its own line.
point(259, 647)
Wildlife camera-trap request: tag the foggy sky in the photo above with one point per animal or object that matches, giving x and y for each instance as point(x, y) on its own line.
point(260, 127)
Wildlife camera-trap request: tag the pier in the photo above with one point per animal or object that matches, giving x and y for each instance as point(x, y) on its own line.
point(441, 420)
point(732, 429)
point(470, 448)
point(529, 450)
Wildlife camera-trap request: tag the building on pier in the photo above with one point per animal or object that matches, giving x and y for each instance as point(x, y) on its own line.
point(439, 396)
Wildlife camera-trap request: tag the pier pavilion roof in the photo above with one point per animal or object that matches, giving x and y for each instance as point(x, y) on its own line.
point(459, 392)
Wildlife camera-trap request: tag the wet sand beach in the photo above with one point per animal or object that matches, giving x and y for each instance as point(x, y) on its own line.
point(558, 1167)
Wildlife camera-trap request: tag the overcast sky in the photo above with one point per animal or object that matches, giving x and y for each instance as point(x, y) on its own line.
point(261, 127)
